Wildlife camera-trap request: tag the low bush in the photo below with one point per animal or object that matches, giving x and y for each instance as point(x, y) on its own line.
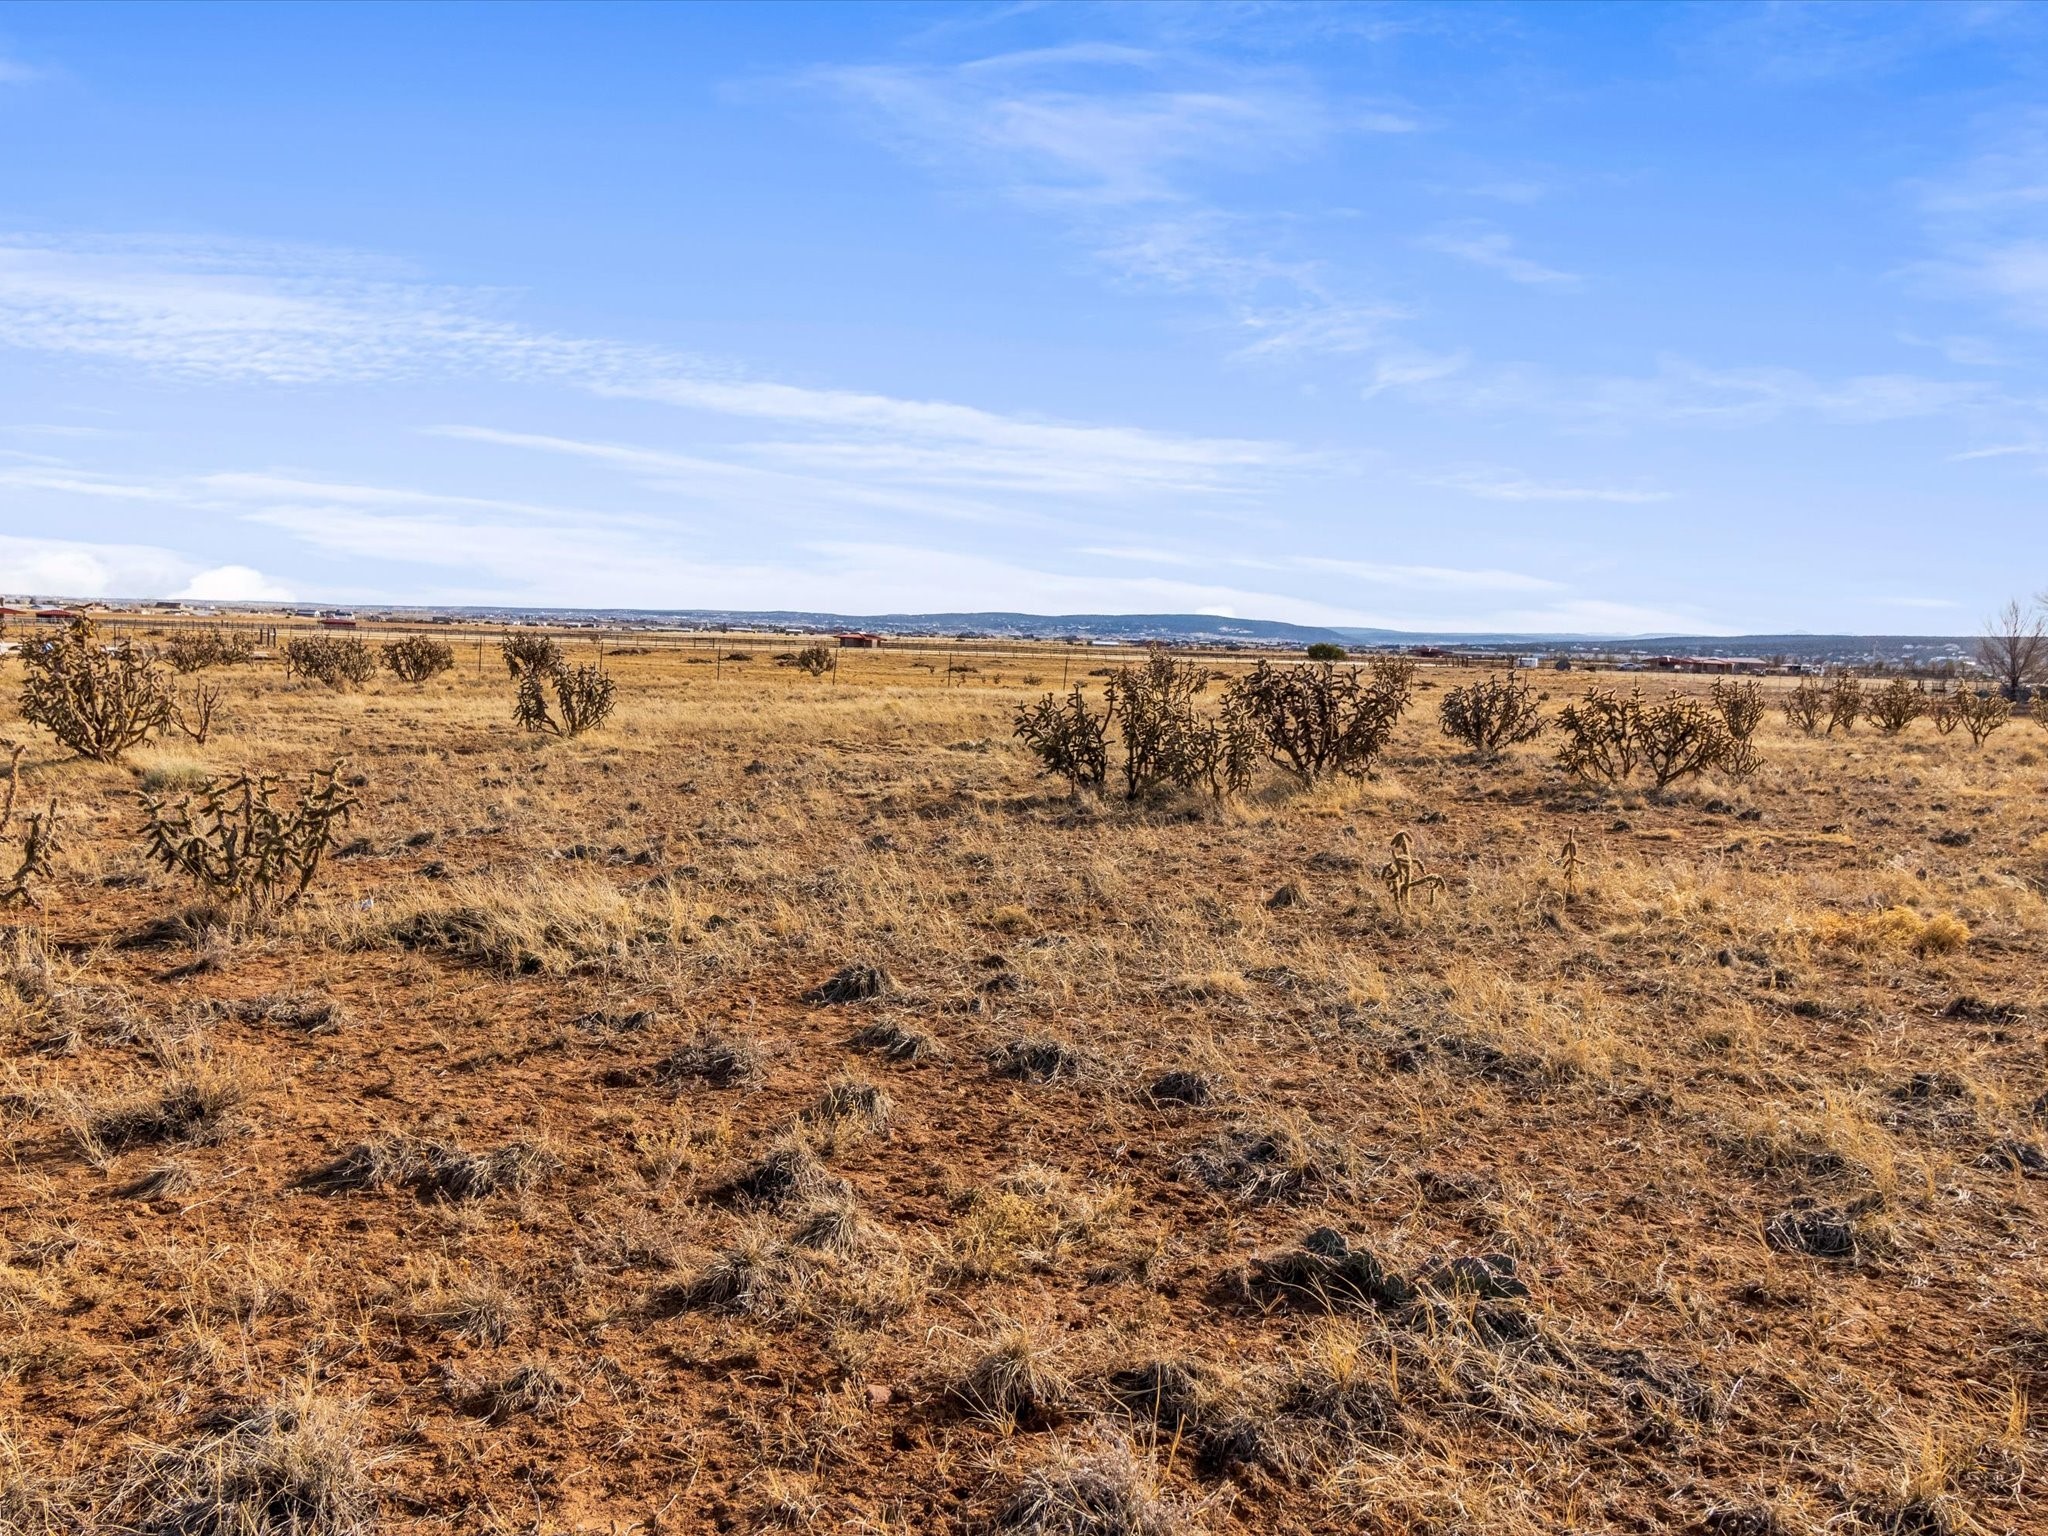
point(193, 650)
point(417, 658)
point(563, 700)
point(1894, 706)
point(1491, 715)
point(339, 661)
point(98, 700)
point(243, 839)
point(1316, 720)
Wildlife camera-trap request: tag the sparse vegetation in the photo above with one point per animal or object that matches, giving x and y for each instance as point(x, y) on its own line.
point(780, 1109)
point(1492, 715)
point(339, 661)
point(98, 700)
point(1894, 706)
point(246, 839)
point(563, 700)
point(194, 650)
point(418, 658)
point(1317, 721)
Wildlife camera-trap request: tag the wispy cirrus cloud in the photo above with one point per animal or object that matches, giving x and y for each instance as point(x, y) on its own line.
point(1123, 145)
point(1495, 486)
point(1495, 252)
point(236, 313)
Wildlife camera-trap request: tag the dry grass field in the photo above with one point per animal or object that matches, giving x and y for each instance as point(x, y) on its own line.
point(783, 1108)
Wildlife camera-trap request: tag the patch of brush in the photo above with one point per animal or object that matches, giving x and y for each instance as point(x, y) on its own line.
point(296, 1467)
point(1271, 1164)
point(713, 1058)
point(1842, 1234)
point(754, 1277)
point(851, 984)
point(1040, 1060)
point(1104, 1490)
point(1014, 1380)
point(789, 1172)
point(532, 1389)
point(1188, 1403)
point(195, 1110)
point(433, 1170)
point(166, 1181)
point(1181, 1088)
point(478, 1312)
point(1326, 1274)
point(895, 1042)
point(304, 1012)
point(851, 1105)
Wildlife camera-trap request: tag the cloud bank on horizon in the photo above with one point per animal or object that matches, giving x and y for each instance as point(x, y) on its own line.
point(1597, 320)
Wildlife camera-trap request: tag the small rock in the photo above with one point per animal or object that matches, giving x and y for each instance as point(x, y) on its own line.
point(1289, 895)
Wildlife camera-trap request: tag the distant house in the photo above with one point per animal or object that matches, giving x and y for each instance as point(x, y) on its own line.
point(56, 615)
point(1709, 664)
point(337, 621)
point(860, 640)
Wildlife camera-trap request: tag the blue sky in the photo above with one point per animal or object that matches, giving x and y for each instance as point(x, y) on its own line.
point(1604, 319)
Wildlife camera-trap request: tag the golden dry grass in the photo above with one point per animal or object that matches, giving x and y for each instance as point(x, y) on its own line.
point(628, 1234)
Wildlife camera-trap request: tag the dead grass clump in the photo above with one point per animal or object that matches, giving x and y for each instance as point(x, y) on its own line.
point(789, 1171)
point(166, 1181)
point(477, 1311)
point(1014, 1380)
point(1192, 1404)
point(1181, 1089)
point(310, 1013)
point(1027, 1220)
point(1038, 1061)
point(713, 1057)
point(1108, 1491)
point(752, 1278)
point(1896, 929)
point(533, 1388)
point(851, 1106)
point(545, 925)
point(292, 1468)
point(1823, 1232)
point(193, 1110)
point(433, 1170)
point(852, 984)
point(835, 1225)
point(897, 1042)
point(1268, 1164)
point(1326, 1274)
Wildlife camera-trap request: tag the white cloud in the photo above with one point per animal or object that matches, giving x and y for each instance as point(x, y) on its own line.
point(234, 584)
point(1503, 487)
point(1429, 578)
point(1496, 253)
point(77, 568)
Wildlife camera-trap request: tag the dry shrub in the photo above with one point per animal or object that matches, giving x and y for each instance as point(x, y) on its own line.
point(1070, 740)
point(1027, 1220)
point(524, 653)
point(240, 840)
point(1895, 928)
point(1806, 705)
point(1602, 735)
point(1107, 1491)
point(194, 650)
point(1741, 708)
point(339, 661)
point(1013, 1379)
point(544, 925)
point(295, 1467)
point(563, 700)
point(416, 658)
point(1491, 715)
point(1317, 720)
point(1894, 706)
point(1845, 703)
point(97, 700)
point(433, 1170)
point(1979, 713)
point(36, 839)
point(1681, 738)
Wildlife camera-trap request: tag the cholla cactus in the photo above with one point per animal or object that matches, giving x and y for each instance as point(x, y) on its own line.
point(1405, 873)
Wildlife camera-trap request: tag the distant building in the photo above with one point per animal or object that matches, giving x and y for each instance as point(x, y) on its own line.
point(859, 640)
